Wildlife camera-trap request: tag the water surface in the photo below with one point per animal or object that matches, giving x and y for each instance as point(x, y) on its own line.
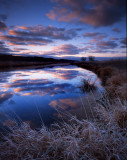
point(35, 95)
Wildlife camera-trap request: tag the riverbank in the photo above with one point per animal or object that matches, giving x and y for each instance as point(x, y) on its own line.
point(31, 65)
point(14, 62)
point(103, 137)
point(113, 75)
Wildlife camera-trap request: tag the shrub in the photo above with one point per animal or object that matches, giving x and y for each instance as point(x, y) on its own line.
point(83, 59)
point(91, 58)
point(88, 86)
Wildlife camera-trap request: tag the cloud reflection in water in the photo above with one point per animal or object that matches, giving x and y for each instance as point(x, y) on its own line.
point(45, 88)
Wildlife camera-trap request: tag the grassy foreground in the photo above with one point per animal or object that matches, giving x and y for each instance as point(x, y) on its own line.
point(103, 138)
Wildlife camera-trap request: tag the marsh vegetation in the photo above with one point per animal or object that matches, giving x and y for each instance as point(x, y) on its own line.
point(103, 137)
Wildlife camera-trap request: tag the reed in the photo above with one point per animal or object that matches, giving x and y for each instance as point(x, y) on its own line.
point(103, 138)
point(88, 86)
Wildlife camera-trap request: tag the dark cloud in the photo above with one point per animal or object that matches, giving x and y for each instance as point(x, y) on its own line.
point(99, 51)
point(107, 44)
point(94, 12)
point(96, 35)
point(124, 47)
point(3, 26)
point(114, 38)
point(20, 40)
point(103, 51)
point(38, 35)
point(20, 49)
point(4, 48)
point(45, 32)
point(116, 30)
point(68, 49)
point(124, 40)
point(61, 51)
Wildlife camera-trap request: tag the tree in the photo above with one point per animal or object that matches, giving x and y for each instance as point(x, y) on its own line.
point(91, 58)
point(83, 59)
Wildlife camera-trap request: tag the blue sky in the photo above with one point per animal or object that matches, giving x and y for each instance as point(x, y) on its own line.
point(63, 28)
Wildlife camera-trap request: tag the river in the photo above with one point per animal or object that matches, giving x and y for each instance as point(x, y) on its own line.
point(40, 95)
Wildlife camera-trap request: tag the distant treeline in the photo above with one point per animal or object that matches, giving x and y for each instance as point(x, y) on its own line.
point(13, 58)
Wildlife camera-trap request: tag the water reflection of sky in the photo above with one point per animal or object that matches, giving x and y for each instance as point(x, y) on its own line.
point(32, 93)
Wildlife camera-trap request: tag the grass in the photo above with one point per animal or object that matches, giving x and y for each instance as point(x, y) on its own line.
point(88, 86)
point(102, 138)
point(117, 85)
point(115, 81)
point(113, 75)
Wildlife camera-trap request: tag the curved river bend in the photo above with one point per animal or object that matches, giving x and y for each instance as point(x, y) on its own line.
point(35, 95)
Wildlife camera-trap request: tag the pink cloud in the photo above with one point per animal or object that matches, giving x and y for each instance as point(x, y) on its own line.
point(51, 15)
point(99, 13)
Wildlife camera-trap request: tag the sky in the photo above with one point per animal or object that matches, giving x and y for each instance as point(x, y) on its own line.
point(68, 29)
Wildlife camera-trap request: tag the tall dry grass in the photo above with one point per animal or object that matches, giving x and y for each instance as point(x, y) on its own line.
point(116, 85)
point(105, 138)
point(113, 74)
point(87, 86)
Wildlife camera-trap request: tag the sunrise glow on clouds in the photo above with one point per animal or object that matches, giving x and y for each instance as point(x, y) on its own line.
point(63, 28)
